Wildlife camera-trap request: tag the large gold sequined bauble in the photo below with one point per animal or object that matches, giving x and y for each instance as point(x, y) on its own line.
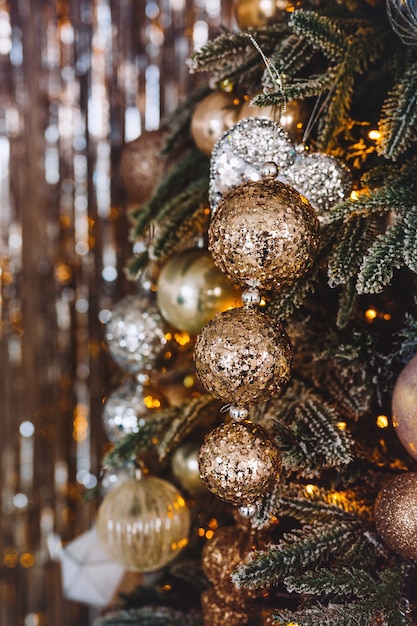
point(126, 408)
point(264, 233)
point(243, 356)
point(144, 523)
point(220, 610)
point(191, 290)
point(136, 334)
point(396, 514)
point(404, 407)
point(239, 462)
point(256, 13)
point(184, 464)
point(212, 117)
point(142, 165)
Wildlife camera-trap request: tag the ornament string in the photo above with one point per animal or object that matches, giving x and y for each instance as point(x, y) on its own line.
point(272, 71)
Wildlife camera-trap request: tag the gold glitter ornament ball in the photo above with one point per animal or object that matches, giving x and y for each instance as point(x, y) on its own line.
point(243, 356)
point(404, 407)
point(239, 462)
point(142, 165)
point(143, 524)
point(212, 117)
point(396, 514)
point(264, 233)
point(191, 290)
point(220, 610)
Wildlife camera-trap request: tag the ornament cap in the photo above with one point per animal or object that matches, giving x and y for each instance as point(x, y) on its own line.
point(269, 170)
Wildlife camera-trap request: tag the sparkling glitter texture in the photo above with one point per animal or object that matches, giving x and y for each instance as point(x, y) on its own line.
point(396, 514)
point(239, 462)
point(240, 153)
point(404, 407)
point(143, 524)
point(243, 356)
point(127, 407)
point(264, 234)
point(218, 611)
point(135, 333)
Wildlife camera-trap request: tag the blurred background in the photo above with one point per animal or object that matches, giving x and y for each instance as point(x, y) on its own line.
point(78, 80)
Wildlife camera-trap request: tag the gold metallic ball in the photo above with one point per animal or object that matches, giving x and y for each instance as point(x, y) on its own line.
point(404, 407)
point(212, 117)
point(243, 356)
point(239, 462)
point(142, 165)
point(396, 514)
point(264, 234)
point(290, 117)
point(256, 13)
point(184, 464)
point(191, 290)
point(143, 524)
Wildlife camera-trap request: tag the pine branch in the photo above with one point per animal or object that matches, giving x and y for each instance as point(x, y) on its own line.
point(399, 115)
point(189, 413)
point(186, 222)
point(357, 234)
point(409, 249)
point(347, 304)
point(383, 257)
point(297, 551)
point(321, 33)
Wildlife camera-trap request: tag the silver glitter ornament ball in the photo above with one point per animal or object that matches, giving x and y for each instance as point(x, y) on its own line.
point(127, 407)
point(243, 356)
point(239, 462)
point(396, 514)
point(136, 333)
point(264, 234)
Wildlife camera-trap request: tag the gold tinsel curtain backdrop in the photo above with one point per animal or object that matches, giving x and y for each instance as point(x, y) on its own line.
point(79, 79)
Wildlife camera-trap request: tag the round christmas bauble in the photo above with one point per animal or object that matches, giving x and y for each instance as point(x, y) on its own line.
point(191, 290)
point(222, 554)
point(239, 462)
point(212, 117)
point(136, 333)
point(256, 13)
point(219, 610)
point(243, 356)
point(143, 524)
point(290, 117)
point(127, 407)
point(404, 407)
point(264, 234)
point(184, 464)
point(142, 165)
point(396, 514)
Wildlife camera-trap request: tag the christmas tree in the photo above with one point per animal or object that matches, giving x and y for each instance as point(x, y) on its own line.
point(292, 174)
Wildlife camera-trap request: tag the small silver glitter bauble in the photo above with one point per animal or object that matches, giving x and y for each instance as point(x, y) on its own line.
point(239, 462)
point(136, 333)
point(127, 407)
point(243, 356)
point(184, 464)
point(142, 165)
point(264, 234)
point(191, 290)
point(404, 407)
point(396, 514)
point(214, 115)
point(321, 178)
point(143, 524)
point(241, 153)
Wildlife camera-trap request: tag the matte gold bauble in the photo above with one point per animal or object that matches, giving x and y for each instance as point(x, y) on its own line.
point(142, 165)
point(404, 407)
point(184, 463)
point(239, 462)
point(396, 514)
point(191, 290)
point(143, 524)
point(212, 117)
point(243, 356)
point(264, 234)
point(256, 13)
